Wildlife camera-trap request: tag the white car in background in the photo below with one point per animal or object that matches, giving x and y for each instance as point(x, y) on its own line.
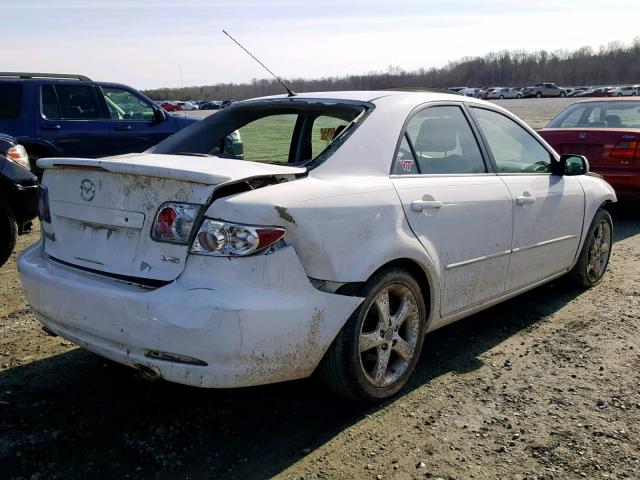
point(471, 92)
point(628, 90)
point(187, 106)
point(503, 92)
point(356, 223)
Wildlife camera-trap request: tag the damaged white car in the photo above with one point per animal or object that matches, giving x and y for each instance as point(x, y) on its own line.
point(353, 224)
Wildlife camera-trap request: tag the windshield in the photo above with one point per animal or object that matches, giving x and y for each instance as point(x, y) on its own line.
point(616, 114)
point(289, 131)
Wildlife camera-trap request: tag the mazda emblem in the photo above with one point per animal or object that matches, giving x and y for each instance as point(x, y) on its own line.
point(87, 190)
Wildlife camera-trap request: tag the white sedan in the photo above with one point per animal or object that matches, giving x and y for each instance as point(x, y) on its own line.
point(356, 223)
point(502, 92)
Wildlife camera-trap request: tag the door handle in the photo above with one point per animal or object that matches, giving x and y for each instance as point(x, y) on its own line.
point(51, 126)
point(421, 205)
point(122, 128)
point(525, 200)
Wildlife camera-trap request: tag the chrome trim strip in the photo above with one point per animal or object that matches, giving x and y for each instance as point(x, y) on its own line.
point(542, 244)
point(507, 252)
point(478, 259)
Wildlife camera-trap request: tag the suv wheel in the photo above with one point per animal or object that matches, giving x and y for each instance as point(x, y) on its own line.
point(8, 231)
point(539, 95)
point(378, 348)
point(596, 251)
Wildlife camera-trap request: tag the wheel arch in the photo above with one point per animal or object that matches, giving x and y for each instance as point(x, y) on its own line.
point(420, 272)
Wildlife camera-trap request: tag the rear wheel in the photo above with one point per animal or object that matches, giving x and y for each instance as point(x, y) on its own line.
point(563, 94)
point(538, 95)
point(501, 97)
point(8, 231)
point(378, 348)
point(596, 251)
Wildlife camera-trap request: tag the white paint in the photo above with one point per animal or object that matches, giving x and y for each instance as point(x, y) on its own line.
point(258, 319)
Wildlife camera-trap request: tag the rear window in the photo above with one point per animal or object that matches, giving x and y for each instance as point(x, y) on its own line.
point(69, 102)
point(287, 131)
point(10, 100)
point(617, 114)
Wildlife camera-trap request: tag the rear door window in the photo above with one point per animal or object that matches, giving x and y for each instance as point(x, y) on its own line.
point(10, 100)
point(443, 143)
point(77, 102)
point(50, 106)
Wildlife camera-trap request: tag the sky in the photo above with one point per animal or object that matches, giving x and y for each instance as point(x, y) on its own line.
point(172, 43)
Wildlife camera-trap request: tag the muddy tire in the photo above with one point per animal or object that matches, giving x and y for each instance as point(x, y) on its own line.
point(377, 349)
point(8, 231)
point(595, 253)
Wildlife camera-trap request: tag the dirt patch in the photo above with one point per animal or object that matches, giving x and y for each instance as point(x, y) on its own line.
point(545, 386)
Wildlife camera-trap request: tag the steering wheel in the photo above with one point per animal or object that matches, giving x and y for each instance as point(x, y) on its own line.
point(541, 166)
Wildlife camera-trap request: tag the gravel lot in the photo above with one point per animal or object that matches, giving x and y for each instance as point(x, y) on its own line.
point(545, 386)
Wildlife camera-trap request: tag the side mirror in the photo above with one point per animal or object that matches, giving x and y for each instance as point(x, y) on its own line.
point(158, 116)
point(570, 164)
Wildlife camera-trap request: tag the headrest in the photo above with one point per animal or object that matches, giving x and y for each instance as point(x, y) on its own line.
point(613, 120)
point(437, 135)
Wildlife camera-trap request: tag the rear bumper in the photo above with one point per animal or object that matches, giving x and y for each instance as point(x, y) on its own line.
point(253, 321)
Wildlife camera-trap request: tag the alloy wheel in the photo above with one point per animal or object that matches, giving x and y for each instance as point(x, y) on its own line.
point(599, 248)
point(389, 335)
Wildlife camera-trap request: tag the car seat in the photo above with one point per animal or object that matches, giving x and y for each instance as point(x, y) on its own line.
point(613, 121)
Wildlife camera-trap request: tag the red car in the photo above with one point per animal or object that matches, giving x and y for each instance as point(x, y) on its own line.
point(595, 92)
point(171, 107)
point(607, 132)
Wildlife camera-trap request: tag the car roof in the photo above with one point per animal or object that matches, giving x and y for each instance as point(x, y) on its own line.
point(374, 96)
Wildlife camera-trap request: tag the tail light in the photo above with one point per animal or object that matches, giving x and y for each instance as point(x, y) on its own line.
point(625, 150)
point(18, 154)
point(174, 222)
point(222, 239)
point(43, 204)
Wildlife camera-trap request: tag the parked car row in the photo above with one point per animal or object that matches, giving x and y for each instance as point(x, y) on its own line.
point(173, 106)
point(129, 244)
point(547, 90)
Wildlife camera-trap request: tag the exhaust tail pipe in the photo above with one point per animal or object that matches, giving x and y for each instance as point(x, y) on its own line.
point(147, 373)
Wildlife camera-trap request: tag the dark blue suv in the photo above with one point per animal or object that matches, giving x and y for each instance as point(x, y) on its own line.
point(72, 116)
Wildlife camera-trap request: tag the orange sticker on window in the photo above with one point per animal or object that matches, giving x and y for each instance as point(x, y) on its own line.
point(327, 133)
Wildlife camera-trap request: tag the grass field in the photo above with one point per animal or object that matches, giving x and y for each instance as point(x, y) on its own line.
point(268, 139)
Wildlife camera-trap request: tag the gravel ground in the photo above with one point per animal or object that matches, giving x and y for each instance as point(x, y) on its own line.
point(545, 386)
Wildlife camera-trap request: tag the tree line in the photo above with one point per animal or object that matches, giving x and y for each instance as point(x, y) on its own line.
point(614, 63)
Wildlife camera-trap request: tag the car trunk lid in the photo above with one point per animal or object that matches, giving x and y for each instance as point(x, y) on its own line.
point(102, 211)
point(602, 147)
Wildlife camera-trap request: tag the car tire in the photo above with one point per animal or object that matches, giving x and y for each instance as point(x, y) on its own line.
point(501, 97)
point(563, 94)
point(375, 352)
point(518, 96)
point(8, 231)
point(596, 251)
point(538, 95)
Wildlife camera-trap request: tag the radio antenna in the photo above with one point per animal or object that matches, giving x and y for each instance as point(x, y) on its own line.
point(286, 87)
